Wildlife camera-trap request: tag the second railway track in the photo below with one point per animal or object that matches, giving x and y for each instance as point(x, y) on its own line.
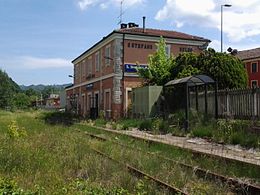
point(234, 184)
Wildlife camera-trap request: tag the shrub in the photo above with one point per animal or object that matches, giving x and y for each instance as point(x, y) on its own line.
point(127, 123)
point(14, 131)
point(160, 126)
point(164, 127)
point(8, 186)
point(146, 125)
point(62, 118)
point(100, 122)
point(202, 131)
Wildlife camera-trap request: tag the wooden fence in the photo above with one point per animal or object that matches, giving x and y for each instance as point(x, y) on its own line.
point(235, 103)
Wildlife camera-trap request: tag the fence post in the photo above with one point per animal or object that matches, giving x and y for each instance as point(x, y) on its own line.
point(227, 104)
point(216, 99)
point(206, 99)
point(187, 108)
point(254, 103)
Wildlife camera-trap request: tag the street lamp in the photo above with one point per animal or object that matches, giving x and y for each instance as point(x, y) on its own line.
point(225, 5)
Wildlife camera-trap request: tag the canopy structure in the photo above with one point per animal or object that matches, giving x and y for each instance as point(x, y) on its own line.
point(190, 82)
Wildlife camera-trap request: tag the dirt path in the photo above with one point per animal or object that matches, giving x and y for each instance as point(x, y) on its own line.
point(200, 145)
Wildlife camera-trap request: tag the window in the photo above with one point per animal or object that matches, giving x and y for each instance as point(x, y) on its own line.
point(254, 67)
point(86, 67)
point(84, 70)
point(89, 66)
point(168, 50)
point(107, 55)
point(97, 61)
point(254, 83)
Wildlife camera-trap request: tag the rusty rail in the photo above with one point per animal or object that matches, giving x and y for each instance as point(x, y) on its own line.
point(233, 183)
point(140, 173)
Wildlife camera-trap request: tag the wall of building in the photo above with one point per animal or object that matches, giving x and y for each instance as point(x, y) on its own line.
point(253, 77)
point(108, 79)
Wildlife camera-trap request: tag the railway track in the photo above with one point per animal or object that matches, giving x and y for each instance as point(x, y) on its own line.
point(139, 173)
point(234, 184)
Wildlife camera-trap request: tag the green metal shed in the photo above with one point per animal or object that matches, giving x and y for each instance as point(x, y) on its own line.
point(146, 101)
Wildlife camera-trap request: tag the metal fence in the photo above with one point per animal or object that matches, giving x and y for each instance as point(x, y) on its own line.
point(235, 103)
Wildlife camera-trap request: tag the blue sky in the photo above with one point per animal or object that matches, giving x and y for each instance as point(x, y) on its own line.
point(40, 38)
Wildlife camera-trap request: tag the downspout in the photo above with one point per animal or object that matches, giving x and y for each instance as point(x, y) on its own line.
point(123, 75)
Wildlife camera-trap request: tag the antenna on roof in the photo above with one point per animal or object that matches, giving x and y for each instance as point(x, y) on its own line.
point(121, 13)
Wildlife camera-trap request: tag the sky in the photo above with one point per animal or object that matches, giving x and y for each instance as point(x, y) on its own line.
point(40, 38)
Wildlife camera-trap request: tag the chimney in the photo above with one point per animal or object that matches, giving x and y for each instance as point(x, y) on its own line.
point(143, 24)
point(123, 25)
point(131, 25)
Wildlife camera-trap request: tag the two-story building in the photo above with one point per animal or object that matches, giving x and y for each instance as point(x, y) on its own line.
point(105, 74)
point(251, 58)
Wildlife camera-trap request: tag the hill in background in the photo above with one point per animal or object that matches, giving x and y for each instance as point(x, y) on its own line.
point(42, 87)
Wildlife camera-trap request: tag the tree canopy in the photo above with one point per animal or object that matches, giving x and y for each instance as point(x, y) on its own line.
point(159, 66)
point(8, 88)
point(224, 68)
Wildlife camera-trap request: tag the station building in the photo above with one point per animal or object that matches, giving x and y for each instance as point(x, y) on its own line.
point(105, 74)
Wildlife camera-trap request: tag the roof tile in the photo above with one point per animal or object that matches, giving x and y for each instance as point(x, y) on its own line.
point(249, 54)
point(158, 32)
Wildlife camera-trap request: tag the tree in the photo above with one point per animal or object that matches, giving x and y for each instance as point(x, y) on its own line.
point(159, 65)
point(226, 69)
point(185, 65)
point(21, 101)
point(8, 88)
point(31, 92)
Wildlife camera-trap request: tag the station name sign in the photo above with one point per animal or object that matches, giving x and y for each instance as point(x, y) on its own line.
point(132, 68)
point(139, 45)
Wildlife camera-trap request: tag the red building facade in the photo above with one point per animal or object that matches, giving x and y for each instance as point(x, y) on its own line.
point(105, 74)
point(251, 59)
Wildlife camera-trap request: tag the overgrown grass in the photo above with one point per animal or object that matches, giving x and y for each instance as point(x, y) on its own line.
point(229, 132)
point(222, 166)
point(57, 159)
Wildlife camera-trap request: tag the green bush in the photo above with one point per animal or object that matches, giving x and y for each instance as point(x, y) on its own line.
point(10, 187)
point(202, 131)
point(160, 126)
point(146, 125)
point(100, 122)
point(128, 123)
point(60, 118)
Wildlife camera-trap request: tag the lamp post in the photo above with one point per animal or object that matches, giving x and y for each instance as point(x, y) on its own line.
point(225, 5)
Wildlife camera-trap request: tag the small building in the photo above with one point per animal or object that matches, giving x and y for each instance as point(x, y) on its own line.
point(105, 74)
point(53, 101)
point(251, 58)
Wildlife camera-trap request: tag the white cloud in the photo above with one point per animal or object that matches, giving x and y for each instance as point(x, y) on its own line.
point(240, 21)
point(33, 62)
point(103, 4)
point(84, 4)
point(29, 62)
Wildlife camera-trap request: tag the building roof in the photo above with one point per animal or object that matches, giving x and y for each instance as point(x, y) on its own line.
point(158, 32)
point(149, 32)
point(249, 54)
